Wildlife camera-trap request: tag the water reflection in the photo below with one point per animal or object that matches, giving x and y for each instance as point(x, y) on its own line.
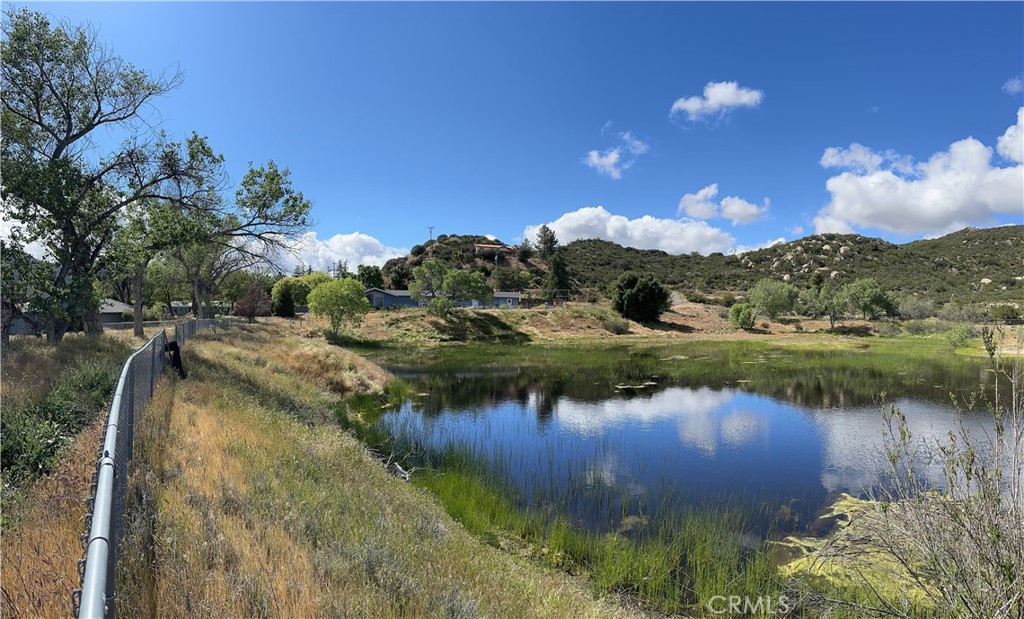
point(787, 438)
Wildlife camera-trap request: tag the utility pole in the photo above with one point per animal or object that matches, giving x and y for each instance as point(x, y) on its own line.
point(431, 230)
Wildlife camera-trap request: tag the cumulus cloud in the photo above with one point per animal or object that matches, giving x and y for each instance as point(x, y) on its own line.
point(1014, 85)
point(742, 249)
point(702, 205)
point(670, 235)
point(739, 211)
point(612, 162)
point(355, 248)
point(719, 98)
point(34, 249)
point(952, 189)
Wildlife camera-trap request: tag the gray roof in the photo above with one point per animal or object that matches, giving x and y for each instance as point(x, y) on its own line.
point(111, 306)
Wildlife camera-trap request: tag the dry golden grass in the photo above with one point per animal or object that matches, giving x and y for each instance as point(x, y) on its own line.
point(41, 546)
point(30, 366)
point(249, 501)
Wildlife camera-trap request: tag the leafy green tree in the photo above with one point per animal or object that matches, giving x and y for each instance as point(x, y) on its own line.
point(460, 286)
point(640, 297)
point(741, 316)
point(370, 276)
point(512, 280)
point(827, 300)
point(311, 280)
point(556, 281)
point(287, 293)
point(771, 298)
point(867, 298)
point(398, 276)
point(342, 301)
point(428, 279)
point(60, 89)
point(546, 242)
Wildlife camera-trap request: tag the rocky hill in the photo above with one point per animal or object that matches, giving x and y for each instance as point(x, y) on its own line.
point(973, 264)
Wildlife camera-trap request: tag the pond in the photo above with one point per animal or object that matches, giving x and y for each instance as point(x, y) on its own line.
point(612, 438)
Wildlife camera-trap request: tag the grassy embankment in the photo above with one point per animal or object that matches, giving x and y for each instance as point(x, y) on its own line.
point(52, 398)
point(247, 500)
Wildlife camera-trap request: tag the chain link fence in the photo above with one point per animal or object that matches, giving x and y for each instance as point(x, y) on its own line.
point(105, 505)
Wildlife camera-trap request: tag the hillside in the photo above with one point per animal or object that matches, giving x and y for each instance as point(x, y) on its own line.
point(976, 264)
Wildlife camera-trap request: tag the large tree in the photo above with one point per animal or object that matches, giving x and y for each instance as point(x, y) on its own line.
point(640, 297)
point(546, 242)
point(341, 301)
point(63, 95)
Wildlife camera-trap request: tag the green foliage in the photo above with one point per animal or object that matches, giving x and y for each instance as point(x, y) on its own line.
point(525, 250)
point(289, 292)
point(33, 433)
point(640, 297)
point(510, 280)
point(546, 242)
point(828, 300)
point(1005, 311)
point(398, 275)
point(556, 281)
point(440, 306)
point(312, 280)
point(462, 286)
point(370, 276)
point(867, 297)
point(741, 316)
point(340, 300)
point(959, 335)
point(771, 298)
point(428, 279)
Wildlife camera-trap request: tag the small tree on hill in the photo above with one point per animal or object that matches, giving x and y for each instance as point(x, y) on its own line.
point(546, 242)
point(828, 300)
point(253, 303)
point(399, 276)
point(640, 297)
point(342, 301)
point(771, 298)
point(525, 250)
point(557, 279)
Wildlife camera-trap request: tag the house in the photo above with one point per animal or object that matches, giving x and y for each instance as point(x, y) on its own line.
point(487, 250)
point(501, 299)
point(112, 310)
point(390, 298)
point(181, 308)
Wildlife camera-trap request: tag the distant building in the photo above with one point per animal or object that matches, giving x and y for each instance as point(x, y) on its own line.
point(113, 311)
point(390, 298)
point(486, 249)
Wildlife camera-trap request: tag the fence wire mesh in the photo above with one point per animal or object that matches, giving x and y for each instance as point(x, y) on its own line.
point(105, 505)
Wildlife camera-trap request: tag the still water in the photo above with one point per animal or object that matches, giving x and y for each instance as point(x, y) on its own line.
point(623, 435)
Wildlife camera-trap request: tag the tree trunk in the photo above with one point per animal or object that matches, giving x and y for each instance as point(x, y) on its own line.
point(140, 272)
point(91, 323)
point(6, 319)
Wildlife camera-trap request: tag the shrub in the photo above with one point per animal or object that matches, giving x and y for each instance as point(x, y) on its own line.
point(741, 316)
point(640, 297)
point(771, 298)
point(615, 325)
point(341, 301)
point(959, 335)
point(127, 316)
point(1005, 311)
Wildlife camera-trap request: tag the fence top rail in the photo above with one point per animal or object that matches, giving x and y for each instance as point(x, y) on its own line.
point(94, 580)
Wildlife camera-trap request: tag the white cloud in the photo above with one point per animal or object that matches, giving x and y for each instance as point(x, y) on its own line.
point(739, 211)
point(608, 162)
point(796, 230)
point(701, 205)
point(611, 162)
point(670, 235)
point(954, 188)
point(355, 248)
point(634, 145)
point(1011, 144)
point(34, 249)
point(719, 98)
point(1014, 85)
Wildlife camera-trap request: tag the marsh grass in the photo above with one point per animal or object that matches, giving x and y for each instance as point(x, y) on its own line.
point(257, 506)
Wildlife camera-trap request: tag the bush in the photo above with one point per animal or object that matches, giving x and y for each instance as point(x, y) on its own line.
point(1005, 311)
point(640, 297)
point(741, 316)
point(615, 325)
point(127, 316)
point(915, 307)
point(959, 335)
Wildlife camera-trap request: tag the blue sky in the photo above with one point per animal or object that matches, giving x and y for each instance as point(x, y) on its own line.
point(679, 126)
